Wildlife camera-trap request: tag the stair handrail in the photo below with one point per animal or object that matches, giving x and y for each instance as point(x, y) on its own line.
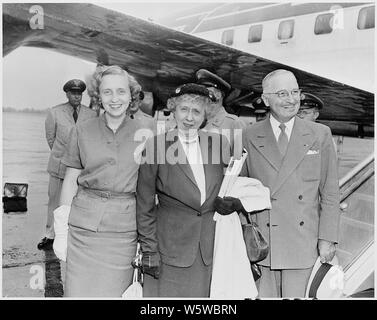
point(354, 171)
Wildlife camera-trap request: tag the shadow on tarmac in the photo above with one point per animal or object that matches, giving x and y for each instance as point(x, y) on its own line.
point(53, 283)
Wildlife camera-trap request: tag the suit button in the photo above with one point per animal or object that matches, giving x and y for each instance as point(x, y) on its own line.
point(300, 197)
point(199, 214)
point(268, 224)
point(301, 223)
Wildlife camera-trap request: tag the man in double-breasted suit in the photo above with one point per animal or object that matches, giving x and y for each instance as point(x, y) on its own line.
point(59, 122)
point(296, 160)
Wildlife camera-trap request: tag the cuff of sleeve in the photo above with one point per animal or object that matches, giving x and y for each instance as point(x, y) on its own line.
point(69, 162)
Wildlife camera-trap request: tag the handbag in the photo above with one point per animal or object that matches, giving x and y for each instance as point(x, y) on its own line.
point(135, 290)
point(256, 245)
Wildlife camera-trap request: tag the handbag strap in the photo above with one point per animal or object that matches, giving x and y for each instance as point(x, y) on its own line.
point(251, 218)
point(137, 272)
point(136, 275)
point(248, 218)
point(320, 274)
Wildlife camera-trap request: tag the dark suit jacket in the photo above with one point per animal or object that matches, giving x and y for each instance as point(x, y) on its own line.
point(304, 191)
point(178, 226)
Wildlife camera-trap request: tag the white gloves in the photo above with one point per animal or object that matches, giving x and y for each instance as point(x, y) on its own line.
point(61, 215)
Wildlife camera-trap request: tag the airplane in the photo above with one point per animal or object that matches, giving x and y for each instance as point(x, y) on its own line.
point(161, 59)
point(334, 40)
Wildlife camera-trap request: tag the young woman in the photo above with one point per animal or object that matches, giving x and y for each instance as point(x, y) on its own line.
point(99, 187)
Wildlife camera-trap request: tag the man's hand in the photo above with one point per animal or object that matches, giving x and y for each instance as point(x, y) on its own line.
point(326, 250)
point(227, 205)
point(150, 264)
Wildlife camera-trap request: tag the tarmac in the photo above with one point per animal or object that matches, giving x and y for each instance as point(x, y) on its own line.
point(27, 271)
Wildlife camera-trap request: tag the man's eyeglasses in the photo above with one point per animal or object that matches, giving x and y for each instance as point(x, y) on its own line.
point(283, 94)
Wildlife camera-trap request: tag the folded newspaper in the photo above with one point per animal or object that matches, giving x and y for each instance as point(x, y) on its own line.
point(231, 174)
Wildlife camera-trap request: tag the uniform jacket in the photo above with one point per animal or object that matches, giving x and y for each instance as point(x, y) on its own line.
point(178, 226)
point(224, 120)
point(58, 125)
point(304, 191)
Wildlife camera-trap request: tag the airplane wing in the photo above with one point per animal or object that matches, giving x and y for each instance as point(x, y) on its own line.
point(162, 58)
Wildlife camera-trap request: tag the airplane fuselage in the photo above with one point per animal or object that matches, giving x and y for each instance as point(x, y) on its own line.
point(332, 40)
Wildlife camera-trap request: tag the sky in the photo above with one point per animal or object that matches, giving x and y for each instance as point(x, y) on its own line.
point(34, 78)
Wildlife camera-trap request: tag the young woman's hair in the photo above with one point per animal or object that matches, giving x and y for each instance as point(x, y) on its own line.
point(96, 79)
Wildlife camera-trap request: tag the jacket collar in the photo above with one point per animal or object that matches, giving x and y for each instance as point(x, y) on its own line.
point(206, 150)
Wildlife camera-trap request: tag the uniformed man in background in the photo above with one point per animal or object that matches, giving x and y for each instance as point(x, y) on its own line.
point(261, 111)
point(59, 122)
point(310, 107)
point(217, 117)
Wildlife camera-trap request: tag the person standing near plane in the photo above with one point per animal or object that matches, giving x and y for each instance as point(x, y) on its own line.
point(296, 160)
point(98, 203)
point(309, 110)
point(310, 107)
point(177, 235)
point(217, 119)
point(59, 122)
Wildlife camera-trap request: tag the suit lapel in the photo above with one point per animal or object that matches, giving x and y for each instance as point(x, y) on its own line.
point(299, 143)
point(206, 150)
point(81, 114)
point(69, 111)
point(266, 144)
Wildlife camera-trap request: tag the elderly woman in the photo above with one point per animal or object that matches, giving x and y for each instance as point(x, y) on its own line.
point(184, 168)
point(99, 187)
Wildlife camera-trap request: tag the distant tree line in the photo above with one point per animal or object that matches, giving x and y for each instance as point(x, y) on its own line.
point(27, 110)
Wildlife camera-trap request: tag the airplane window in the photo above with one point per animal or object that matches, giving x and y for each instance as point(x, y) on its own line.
point(324, 23)
point(286, 29)
point(255, 33)
point(366, 18)
point(227, 37)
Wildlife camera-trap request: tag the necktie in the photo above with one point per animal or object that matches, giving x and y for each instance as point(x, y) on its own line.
point(75, 115)
point(283, 140)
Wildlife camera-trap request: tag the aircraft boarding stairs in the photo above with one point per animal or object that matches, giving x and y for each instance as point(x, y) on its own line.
point(356, 242)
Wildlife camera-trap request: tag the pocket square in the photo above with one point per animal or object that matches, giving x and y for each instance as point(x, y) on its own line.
point(313, 152)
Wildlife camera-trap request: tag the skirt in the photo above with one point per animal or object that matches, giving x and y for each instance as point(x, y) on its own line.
point(184, 282)
point(99, 256)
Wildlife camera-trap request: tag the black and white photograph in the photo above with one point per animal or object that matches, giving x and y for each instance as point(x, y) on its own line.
point(188, 150)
